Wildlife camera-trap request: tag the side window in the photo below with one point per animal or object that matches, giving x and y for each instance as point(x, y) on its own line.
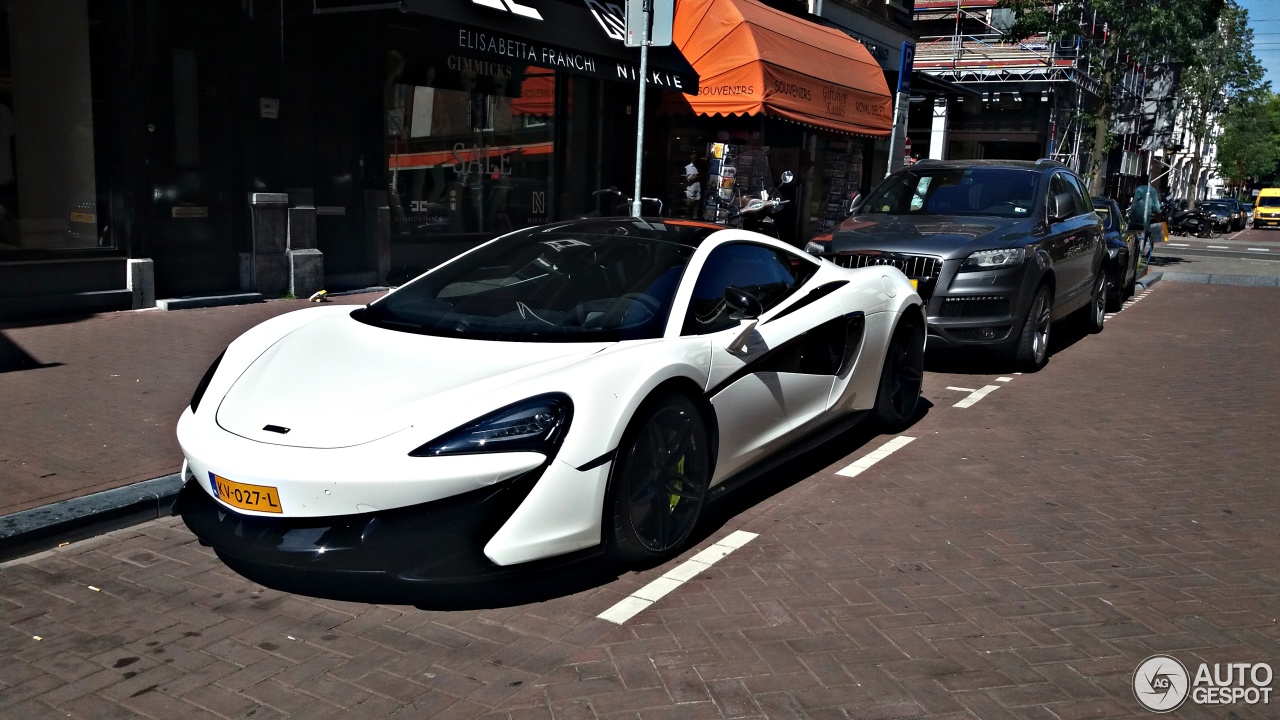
point(1058, 185)
point(769, 274)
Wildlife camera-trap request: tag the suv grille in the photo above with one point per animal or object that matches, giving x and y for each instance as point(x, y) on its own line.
point(924, 269)
point(920, 267)
point(977, 306)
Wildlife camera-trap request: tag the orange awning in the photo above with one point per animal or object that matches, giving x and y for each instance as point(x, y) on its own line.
point(753, 59)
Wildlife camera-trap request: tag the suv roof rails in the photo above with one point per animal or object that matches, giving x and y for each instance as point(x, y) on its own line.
point(930, 161)
point(1048, 161)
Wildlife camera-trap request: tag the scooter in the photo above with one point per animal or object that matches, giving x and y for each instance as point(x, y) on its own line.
point(757, 214)
point(1193, 222)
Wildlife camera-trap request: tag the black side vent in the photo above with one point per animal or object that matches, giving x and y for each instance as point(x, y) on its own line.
point(276, 429)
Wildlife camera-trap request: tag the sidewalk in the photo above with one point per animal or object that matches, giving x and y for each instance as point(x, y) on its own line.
point(91, 404)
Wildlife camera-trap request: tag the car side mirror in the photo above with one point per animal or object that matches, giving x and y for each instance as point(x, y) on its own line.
point(743, 303)
point(788, 177)
point(1058, 204)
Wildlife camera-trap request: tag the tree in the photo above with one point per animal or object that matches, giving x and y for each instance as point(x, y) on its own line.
point(1135, 31)
point(1223, 72)
point(1249, 146)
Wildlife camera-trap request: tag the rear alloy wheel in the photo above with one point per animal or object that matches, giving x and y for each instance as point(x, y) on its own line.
point(660, 480)
point(901, 379)
point(1095, 313)
point(1032, 351)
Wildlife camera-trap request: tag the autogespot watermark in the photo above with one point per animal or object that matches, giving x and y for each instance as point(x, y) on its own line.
point(1161, 683)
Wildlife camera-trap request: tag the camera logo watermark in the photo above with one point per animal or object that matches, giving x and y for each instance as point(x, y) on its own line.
point(1162, 684)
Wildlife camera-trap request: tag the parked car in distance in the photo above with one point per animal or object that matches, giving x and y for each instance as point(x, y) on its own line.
point(1122, 252)
point(1266, 210)
point(998, 249)
point(1228, 213)
point(1248, 210)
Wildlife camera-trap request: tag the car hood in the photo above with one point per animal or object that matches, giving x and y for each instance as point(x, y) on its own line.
point(338, 382)
point(942, 235)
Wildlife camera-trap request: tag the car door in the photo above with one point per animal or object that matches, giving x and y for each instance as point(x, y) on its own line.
point(1069, 243)
point(767, 376)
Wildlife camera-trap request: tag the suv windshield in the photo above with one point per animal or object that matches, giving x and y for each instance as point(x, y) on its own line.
point(1002, 192)
point(1269, 201)
point(544, 285)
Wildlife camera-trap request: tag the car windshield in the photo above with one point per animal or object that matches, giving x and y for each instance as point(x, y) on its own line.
point(1269, 201)
point(550, 284)
point(1217, 206)
point(1002, 192)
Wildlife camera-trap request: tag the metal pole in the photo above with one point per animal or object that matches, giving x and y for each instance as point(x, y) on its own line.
point(896, 151)
point(644, 71)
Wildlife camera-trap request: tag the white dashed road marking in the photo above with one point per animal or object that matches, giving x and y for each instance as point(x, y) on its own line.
point(1218, 247)
point(977, 395)
point(654, 591)
point(875, 456)
point(1259, 249)
point(1178, 244)
point(1004, 379)
point(960, 389)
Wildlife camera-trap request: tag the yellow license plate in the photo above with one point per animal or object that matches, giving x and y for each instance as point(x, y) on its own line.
point(915, 283)
point(262, 498)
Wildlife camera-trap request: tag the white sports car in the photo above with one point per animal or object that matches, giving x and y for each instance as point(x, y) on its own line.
point(562, 390)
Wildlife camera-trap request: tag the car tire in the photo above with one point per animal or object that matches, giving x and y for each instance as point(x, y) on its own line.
point(901, 378)
point(1114, 296)
point(659, 481)
point(1094, 314)
point(1032, 351)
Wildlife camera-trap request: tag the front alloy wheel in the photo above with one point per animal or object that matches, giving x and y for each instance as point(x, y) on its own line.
point(901, 379)
point(660, 480)
point(1032, 350)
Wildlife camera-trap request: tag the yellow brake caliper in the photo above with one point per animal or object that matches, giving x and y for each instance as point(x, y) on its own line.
point(675, 498)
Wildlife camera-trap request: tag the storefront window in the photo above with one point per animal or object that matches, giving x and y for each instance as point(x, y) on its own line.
point(48, 198)
point(836, 179)
point(470, 159)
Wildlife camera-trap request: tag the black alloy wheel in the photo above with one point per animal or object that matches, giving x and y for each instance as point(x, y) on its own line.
point(1032, 351)
point(902, 378)
point(660, 480)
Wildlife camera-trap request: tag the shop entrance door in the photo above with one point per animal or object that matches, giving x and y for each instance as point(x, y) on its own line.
point(188, 155)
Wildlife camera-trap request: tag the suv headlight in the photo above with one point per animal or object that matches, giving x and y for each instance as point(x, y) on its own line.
point(534, 425)
point(994, 259)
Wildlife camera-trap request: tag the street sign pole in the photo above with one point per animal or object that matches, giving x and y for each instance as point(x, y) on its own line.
point(901, 105)
point(644, 73)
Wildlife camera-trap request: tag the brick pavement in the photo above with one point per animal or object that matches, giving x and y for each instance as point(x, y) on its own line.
point(1018, 560)
point(91, 404)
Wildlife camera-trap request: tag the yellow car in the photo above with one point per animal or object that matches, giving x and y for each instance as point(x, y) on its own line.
point(1266, 209)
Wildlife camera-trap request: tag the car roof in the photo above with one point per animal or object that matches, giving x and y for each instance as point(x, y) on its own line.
point(957, 164)
point(684, 232)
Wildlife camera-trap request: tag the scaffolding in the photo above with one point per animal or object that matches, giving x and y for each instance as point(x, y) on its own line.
point(962, 42)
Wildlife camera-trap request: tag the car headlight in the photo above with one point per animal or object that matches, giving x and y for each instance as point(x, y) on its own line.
point(994, 259)
point(820, 244)
point(534, 425)
point(204, 382)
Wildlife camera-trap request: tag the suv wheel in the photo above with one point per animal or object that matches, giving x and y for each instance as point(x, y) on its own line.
point(1095, 313)
point(1032, 351)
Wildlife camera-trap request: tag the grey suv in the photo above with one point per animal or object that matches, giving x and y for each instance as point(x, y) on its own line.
point(998, 249)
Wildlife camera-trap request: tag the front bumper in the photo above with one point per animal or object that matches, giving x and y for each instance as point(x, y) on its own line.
point(438, 541)
point(976, 309)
